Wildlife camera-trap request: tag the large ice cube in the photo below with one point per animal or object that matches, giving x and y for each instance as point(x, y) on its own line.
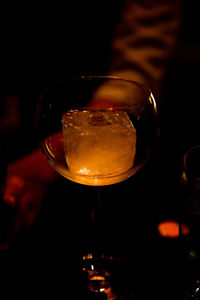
point(98, 143)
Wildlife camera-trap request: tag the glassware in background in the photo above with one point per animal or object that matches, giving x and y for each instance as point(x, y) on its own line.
point(191, 177)
point(191, 217)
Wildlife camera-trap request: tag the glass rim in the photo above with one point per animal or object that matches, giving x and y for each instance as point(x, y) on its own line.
point(186, 155)
point(188, 152)
point(111, 77)
point(120, 106)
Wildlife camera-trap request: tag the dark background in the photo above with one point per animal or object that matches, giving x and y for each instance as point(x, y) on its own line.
point(39, 44)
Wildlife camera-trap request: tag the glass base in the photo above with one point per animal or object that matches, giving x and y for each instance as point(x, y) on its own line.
point(105, 277)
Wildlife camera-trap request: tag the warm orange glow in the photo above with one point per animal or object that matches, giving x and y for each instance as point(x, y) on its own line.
point(170, 229)
point(97, 277)
point(98, 145)
point(88, 256)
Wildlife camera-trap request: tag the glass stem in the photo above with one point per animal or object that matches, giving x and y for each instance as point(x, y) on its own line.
point(96, 209)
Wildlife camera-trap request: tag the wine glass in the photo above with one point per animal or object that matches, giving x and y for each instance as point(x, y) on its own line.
point(97, 131)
